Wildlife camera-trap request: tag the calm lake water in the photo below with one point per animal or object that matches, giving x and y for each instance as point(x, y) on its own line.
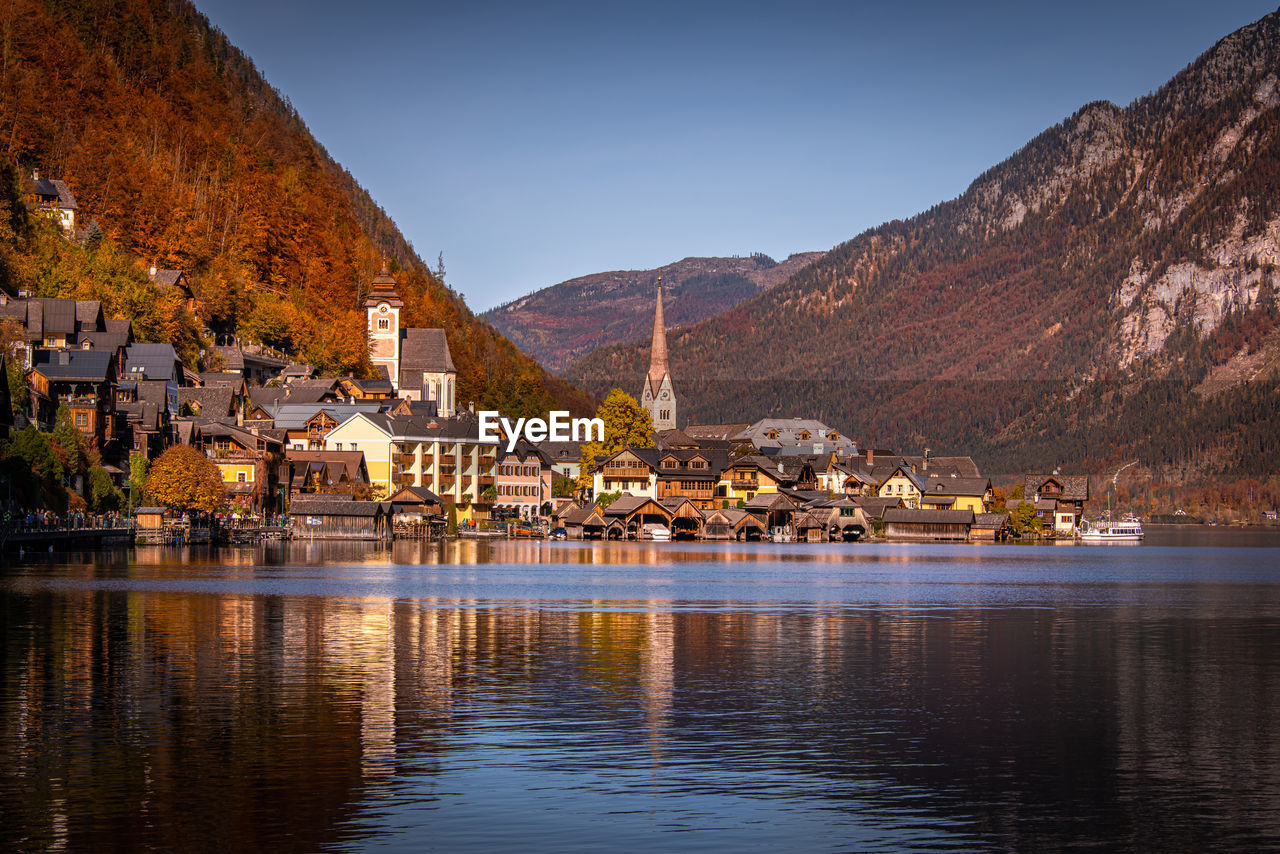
point(564, 696)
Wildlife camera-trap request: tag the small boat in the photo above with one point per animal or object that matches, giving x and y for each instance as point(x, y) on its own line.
point(657, 533)
point(1124, 531)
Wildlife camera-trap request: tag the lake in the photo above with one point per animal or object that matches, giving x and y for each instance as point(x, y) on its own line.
point(667, 697)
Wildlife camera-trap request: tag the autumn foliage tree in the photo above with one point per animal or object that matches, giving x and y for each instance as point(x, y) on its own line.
point(626, 425)
point(184, 479)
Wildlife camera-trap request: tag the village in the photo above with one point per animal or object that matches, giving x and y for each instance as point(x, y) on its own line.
point(303, 455)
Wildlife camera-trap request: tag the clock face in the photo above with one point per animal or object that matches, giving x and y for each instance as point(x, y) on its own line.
point(383, 307)
point(666, 394)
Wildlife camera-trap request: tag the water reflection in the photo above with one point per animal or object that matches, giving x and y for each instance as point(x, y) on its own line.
point(142, 708)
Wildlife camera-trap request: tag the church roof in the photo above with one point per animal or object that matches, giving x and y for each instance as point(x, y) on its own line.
point(658, 366)
point(423, 351)
point(383, 289)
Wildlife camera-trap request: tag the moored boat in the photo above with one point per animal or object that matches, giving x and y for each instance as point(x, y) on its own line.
point(1124, 531)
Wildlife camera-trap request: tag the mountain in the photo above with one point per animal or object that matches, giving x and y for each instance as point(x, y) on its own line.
point(1107, 292)
point(185, 157)
point(562, 323)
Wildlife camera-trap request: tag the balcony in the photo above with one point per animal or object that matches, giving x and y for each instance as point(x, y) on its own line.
point(625, 472)
point(486, 480)
point(743, 483)
point(404, 459)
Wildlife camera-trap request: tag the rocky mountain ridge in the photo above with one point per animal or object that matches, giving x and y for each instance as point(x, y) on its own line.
point(1068, 307)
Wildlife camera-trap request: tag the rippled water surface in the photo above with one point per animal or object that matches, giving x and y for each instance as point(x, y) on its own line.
point(541, 696)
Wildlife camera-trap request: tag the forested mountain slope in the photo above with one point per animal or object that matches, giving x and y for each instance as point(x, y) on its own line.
point(1107, 291)
point(186, 158)
point(562, 323)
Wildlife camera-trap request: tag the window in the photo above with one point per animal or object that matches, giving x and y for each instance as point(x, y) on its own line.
point(384, 323)
point(82, 420)
point(50, 341)
point(353, 446)
point(240, 477)
point(338, 446)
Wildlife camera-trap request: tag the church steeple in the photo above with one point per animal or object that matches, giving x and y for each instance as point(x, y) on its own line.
point(659, 395)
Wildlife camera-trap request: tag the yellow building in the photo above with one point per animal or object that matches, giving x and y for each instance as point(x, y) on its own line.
point(903, 484)
point(445, 455)
point(956, 493)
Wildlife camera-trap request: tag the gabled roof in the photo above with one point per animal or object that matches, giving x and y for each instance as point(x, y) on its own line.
point(589, 515)
point(334, 505)
point(720, 432)
point(415, 495)
point(209, 400)
point(770, 501)
point(990, 520)
point(626, 505)
point(953, 486)
point(936, 517)
point(73, 365)
point(66, 199)
point(118, 324)
point(88, 315)
point(109, 341)
point(423, 351)
point(164, 278)
point(1075, 487)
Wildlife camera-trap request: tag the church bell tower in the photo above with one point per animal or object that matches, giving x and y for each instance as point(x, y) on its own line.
point(659, 395)
point(382, 306)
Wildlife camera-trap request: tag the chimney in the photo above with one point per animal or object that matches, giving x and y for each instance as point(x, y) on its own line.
point(871, 456)
point(926, 459)
point(64, 358)
point(35, 174)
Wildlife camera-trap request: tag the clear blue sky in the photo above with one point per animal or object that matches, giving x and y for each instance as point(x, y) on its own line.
point(533, 142)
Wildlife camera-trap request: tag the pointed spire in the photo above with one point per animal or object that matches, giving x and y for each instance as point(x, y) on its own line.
point(658, 351)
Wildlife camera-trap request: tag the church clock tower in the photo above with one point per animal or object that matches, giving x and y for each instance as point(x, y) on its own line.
point(659, 395)
point(383, 309)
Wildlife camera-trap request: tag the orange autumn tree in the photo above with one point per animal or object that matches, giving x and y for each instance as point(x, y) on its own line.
point(184, 479)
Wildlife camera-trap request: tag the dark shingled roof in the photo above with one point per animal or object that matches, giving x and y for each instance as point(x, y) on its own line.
point(165, 278)
point(423, 351)
point(215, 400)
point(66, 199)
point(154, 361)
point(990, 520)
point(333, 505)
point(950, 486)
point(81, 365)
point(416, 495)
point(118, 324)
point(935, 517)
point(88, 315)
point(1075, 487)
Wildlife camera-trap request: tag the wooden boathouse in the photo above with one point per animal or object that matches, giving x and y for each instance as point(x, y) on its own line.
point(337, 517)
point(931, 526)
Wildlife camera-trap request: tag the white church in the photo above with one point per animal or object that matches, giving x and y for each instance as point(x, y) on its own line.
point(417, 361)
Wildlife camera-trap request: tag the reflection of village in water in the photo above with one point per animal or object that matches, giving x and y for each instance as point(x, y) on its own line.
point(140, 705)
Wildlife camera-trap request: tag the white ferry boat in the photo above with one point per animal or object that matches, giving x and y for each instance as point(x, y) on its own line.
point(1124, 531)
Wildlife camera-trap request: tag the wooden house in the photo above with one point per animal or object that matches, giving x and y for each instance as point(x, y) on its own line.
point(775, 511)
point(909, 525)
point(584, 523)
point(626, 517)
point(1059, 499)
point(989, 527)
point(691, 474)
point(341, 518)
point(686, 518)
point(726, 524)
point(632, 471)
